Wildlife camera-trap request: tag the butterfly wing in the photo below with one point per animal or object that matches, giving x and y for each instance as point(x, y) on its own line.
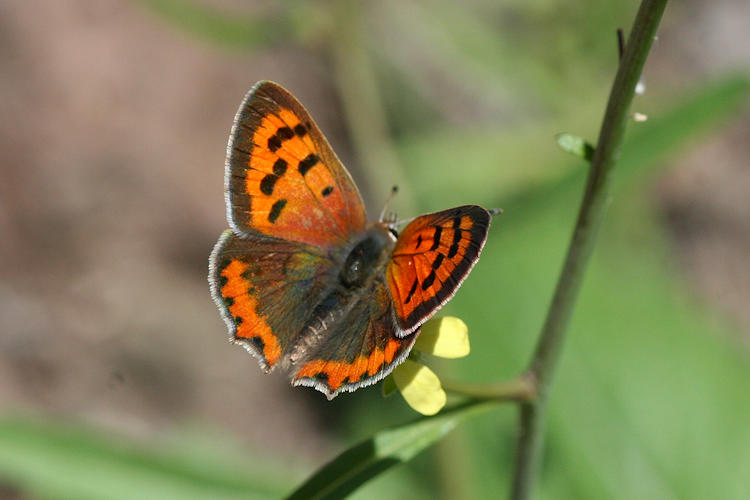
point(266, 290)
point(357, 349)
point(294, 211)
point(432, 257)
point(282, 177)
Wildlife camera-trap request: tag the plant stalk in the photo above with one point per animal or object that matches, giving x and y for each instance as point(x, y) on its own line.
point(362, 105)
point(590, 216)
point(521, 389)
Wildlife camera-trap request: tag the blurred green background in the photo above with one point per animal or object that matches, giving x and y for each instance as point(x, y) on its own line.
point(116, 380)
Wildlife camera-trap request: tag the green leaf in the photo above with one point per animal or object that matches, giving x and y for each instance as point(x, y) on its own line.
point(575, 145)
point(683, 123)
point(54, 460)
point(225, 29)
point(382, 451)
point(497, 164)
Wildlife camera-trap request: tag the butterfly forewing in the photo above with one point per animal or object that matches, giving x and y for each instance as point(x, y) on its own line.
point(433, 255)
point(283, 179)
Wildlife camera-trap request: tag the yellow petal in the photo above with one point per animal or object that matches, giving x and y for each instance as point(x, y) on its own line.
point(446, 337)
point(420, 387)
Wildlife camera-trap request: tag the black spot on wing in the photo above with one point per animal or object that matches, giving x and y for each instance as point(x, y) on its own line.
point(438, 260)
point(285, 133)
point(281, 135)
point(279, 167)
point(327, 191)
point(436, 237)
point(276, 209)
point(453, 250)
point(429, 280)
point(411, 291)
point(274, 143)
point(307, 163)
point(300, 130)
point(267, 184)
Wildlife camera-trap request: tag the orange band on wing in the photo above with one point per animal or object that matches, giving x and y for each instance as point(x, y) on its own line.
point(242, 307)
point(337, 372)
point(390, 349)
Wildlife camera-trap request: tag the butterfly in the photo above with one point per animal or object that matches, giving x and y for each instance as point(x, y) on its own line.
point(301, 281)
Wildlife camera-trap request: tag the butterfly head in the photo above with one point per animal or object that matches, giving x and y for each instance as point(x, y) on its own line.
point(390, 222)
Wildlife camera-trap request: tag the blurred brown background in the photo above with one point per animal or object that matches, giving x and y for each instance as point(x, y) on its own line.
point(112, 145)
point(113, 139)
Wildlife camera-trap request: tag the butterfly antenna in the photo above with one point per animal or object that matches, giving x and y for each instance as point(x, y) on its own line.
point(394, 190)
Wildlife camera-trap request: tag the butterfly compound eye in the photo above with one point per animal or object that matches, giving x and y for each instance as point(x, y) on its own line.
point(351, 273)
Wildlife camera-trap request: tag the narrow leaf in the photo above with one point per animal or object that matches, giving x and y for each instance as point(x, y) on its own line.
point(382, 451)
point(684, 124)
point(50, 460)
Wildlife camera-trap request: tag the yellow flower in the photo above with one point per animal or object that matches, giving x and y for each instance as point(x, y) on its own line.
point(446, 337)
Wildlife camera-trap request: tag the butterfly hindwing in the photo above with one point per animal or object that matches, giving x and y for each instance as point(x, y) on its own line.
point(266, 290)
point(282, 177)
point(432, 257)
point(358, 349)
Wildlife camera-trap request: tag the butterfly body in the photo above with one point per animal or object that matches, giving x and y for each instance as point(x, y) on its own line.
point(301, 281)
point(357, 273)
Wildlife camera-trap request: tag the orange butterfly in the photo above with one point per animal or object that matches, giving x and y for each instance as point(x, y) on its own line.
point(300, 279)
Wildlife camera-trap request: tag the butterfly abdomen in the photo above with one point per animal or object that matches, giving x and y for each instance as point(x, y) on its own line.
point(361, 268)
point(363, 264)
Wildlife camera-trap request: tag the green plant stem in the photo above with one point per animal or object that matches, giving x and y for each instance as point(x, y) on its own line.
point(591, 213)
point(521, 389)
point(360, 97)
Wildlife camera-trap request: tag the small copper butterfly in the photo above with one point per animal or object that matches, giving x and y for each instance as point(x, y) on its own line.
point(301, 280)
